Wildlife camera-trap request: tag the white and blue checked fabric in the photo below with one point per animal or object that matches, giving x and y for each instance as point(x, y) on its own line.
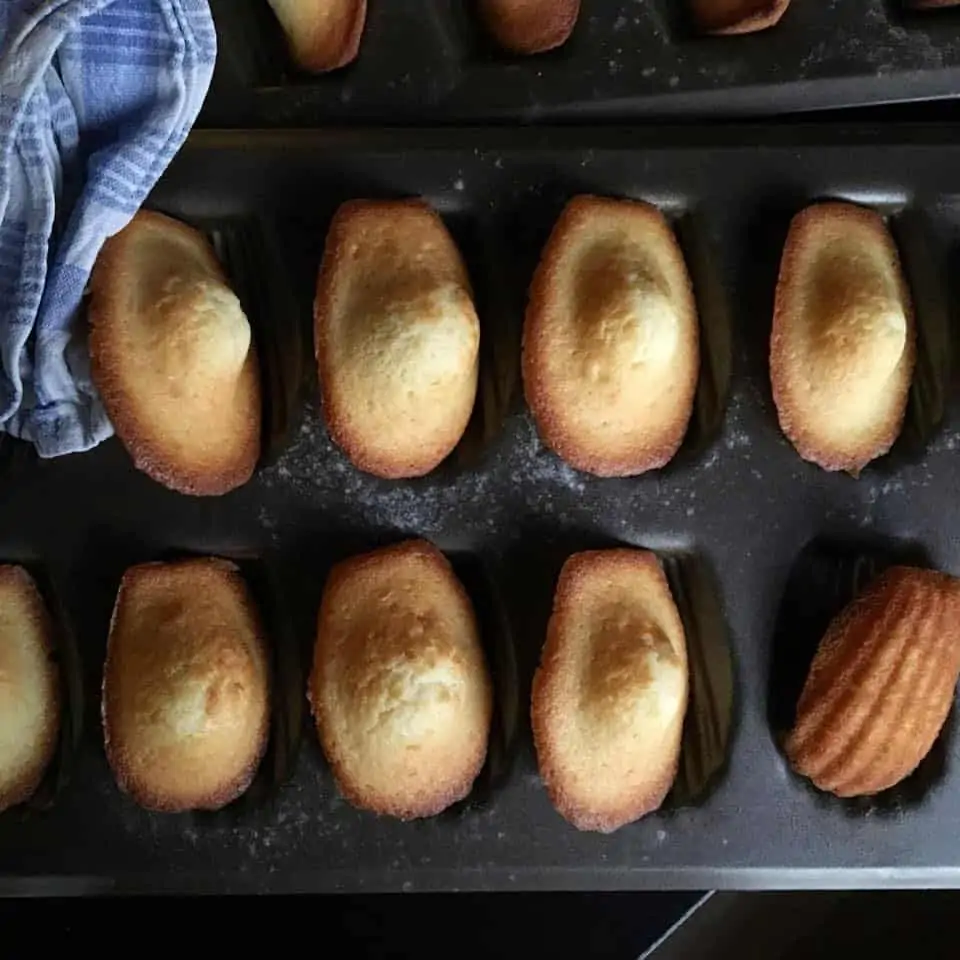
point(96, 97)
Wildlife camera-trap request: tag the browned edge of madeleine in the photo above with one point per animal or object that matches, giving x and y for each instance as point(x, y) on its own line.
point(530, 26)
point(748, 16)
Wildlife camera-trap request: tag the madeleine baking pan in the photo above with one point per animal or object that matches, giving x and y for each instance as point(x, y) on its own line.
point(432, 61)
point(760, 547)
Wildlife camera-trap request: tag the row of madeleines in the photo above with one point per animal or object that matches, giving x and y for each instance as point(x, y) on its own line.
point(610, 343)
point(402, 697)
point(325, 35)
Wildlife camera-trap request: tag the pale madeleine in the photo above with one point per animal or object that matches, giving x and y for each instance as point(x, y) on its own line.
point(322, 34)
point(172, 355)
point(186, 685)
point(400, 689)
point(611, 339)
point(397, 337)
point(842, 350)
point(29, 687)
point(610, 695)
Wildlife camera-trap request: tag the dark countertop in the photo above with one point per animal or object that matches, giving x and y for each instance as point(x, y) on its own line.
point(618, 926)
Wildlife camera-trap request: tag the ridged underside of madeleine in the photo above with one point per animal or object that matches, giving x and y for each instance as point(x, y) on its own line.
point(881, 685)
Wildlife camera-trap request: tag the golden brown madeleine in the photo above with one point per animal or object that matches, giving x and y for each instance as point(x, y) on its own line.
point(29, 687)
point(186, 686)
point(399, 689)
point(530, 26)
point(397, 337)
point(610, 694)
point(323, 34)
point(611, 342)
point(172, 356)
point(881, 684)
point(725, 17)
point(842, 350)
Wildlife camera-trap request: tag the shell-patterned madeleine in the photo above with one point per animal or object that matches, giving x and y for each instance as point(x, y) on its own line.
point(611, 349)
point(842, 350)
point(610, 695)
point(881, 684)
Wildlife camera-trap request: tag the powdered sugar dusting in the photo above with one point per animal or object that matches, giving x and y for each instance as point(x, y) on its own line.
point(529, 462)
point(316, 472)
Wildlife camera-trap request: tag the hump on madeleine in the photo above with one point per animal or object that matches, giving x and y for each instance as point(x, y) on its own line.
point(881, 684)
point(610, 694)
point(842, 348)
point(627, 318)
point(200, 329)
point(399, 688)
point(530, 26)
point(418, 335)
point(186, 685)
point(29, 687)
point(611, 342)
point(397, 337)
point(172, 355)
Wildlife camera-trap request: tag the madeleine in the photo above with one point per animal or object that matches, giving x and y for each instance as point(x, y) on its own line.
point(530, 26)
point(323, 35)
point(842, 350)
point(881, 684)
point(611, 339)
point(29, 687)
point(610, 695)
point(186, 686)
point(172, 355)
point(397, 337)
point(400, 689)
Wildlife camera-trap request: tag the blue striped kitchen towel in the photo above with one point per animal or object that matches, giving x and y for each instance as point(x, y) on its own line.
point(96, 97)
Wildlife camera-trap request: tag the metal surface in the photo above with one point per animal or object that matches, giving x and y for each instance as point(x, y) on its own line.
point(431, 61)
point(743, 502)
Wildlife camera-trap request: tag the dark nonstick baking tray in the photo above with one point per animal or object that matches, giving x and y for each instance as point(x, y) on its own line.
point(761, 547)
point(431, 61)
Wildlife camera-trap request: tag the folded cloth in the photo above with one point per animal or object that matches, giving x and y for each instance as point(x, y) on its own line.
point(96, 97)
